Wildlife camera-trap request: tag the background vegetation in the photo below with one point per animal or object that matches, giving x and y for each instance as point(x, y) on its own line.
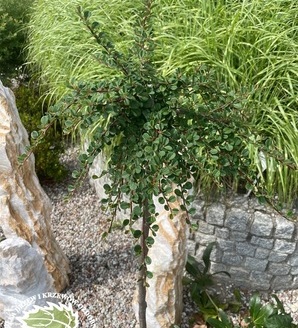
point(14, 17)
point(250, 44)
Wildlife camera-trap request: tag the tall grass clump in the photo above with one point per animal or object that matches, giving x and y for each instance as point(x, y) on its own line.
point(251, 45)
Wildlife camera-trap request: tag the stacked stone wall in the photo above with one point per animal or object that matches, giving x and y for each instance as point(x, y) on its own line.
point(254, 243)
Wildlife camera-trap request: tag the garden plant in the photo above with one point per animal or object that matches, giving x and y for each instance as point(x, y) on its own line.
point(250, 45)
point(161, 128)
point(14, 17)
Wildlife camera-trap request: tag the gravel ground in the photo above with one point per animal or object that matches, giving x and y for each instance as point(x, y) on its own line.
point(103, 273)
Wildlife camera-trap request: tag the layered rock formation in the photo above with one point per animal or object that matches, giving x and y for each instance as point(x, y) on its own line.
point(25, 208)
point(168, 254)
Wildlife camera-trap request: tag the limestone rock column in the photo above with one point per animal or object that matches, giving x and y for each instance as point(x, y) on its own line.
point(25, 208)
point(164, 297)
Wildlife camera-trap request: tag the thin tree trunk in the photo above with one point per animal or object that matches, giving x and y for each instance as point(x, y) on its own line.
point(142, 272)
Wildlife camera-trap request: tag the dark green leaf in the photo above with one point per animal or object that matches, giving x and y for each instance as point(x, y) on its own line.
point(137, 233)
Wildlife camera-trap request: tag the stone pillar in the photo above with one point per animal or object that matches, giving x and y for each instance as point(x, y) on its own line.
point(25, 208)
point(168, 253)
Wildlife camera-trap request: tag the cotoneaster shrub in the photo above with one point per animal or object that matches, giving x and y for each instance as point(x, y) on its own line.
point(251, 45)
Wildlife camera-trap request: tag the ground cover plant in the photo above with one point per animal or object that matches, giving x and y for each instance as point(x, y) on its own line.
point(161, 129)
point(250, 45)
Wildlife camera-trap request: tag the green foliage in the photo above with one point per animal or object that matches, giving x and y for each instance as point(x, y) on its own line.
point(200, 279)
point(162, 130)
point(250, 45)
point(260, 316)
point(14, 15)
point(47, 153)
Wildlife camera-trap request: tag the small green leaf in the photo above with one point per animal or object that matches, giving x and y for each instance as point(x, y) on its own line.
point(187, 185)
point(87, 14)
point(192, 211)
point(148, 260)
point(107, 187)
point(149, 241)
point(155, 227)
point(125, 222)
point(104, 235)
point(44, 120)
point(124, 205)
point(137, 250)
point(172, 199)
point(149, 274)
point(34, 134)
point(161, 200)
point(137, 233)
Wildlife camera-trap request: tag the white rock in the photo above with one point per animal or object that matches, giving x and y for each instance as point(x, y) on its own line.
point(25, 208)
point(22, 275)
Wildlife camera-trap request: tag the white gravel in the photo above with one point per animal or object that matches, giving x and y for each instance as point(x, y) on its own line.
point(103, 272)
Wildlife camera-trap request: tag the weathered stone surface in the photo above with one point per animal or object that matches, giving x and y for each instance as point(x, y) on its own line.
point(262, 225)
point(277, 257)
point(215, 214)
point(237, 220)
point(284, 229)
point(263, 242)
point(245, 249)
point(255, 264)
point(22, 274)
point(231, 258)
point(262, 253)
point(168, 254)
point(25, 208)
point(284, 246)
point(279, 269)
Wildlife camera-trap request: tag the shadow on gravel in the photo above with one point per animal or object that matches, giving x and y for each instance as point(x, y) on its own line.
point(98, 269)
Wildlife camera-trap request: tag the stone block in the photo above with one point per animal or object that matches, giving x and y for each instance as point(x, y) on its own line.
point(215, 214)
point(262, 253)
point(283, 246)
point(223, 233)
point(226, 245)
point(239, 273)
point(263, 242)
point(237, 219)
point(254, 264)
point(279, 269)
point(293, 259)
point(262, 225)
point(206, 228)
point(216, 255)
point(232, 259)
point(217, 267)
point(282, 282)
point(204, 239)
point(284, 229)
point(238, 236)
point(294, 271)
point(245, 249)
point(260, 280)
point(277, 257)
